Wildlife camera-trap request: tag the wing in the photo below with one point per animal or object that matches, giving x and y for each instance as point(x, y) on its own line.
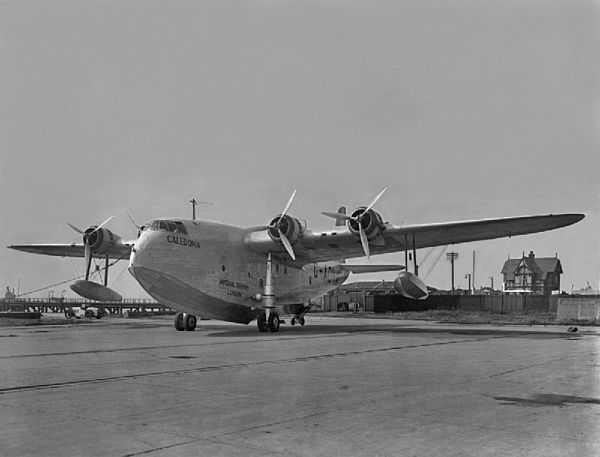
point(337, 245)
point(118, 251)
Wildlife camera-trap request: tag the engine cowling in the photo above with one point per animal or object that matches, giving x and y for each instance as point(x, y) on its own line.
point(409, 285)
point(290, 226)
point(100, 239)
point(371, 222)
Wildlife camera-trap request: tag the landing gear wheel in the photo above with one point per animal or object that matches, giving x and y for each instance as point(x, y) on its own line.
point(179, 322)
point(301, 320)
point(274, 322)
point(293, 322)
point(261, 323)
point(189, 323)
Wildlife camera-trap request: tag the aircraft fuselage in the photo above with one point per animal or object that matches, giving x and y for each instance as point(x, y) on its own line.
point(205, 269)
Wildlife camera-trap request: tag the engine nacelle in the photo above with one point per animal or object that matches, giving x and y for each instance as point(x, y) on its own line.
point(100, 240)
point(371, 222)
point(409, 285)
point(291, 227)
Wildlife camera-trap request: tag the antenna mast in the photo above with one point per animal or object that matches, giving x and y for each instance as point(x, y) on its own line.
point(194, 203)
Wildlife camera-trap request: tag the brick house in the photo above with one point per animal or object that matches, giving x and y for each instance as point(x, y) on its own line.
point(532, 275)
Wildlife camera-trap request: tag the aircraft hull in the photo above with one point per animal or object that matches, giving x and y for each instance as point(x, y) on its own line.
point(210, 274)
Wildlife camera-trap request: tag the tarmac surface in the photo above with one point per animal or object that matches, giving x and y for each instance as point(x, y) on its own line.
point(335, 387)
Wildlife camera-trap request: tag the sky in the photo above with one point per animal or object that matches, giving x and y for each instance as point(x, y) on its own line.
point(463, 109)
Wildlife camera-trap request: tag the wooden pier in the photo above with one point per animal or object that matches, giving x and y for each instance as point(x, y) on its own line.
point(58, 305)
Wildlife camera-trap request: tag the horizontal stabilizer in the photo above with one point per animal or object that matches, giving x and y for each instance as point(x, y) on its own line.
point(370, 268)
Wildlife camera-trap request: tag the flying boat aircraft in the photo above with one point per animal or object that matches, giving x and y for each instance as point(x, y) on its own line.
point(241, 274)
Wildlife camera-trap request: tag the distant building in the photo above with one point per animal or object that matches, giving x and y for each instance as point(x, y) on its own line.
point(532, 275)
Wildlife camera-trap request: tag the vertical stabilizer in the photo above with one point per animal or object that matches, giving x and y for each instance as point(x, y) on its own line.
point(340, 221)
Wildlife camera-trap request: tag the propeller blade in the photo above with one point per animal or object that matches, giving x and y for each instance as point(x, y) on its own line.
point(133, 220)
point(364, 240)
point(104, 223)
point(285, 210)
point(286, 243)
point(375, 200)
point(337, 216)
point(288, 204)
point(101, 225)
point(78, 230)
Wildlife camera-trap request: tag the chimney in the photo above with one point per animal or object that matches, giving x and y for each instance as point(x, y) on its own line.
point(531, 255)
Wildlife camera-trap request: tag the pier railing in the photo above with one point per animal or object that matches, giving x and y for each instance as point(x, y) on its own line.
point(58, 305)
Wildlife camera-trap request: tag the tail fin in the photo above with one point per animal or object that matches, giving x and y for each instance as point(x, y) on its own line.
point(339, 221)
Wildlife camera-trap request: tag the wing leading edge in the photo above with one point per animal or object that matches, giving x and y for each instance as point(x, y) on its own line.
point(117, 252)
point(336, 245)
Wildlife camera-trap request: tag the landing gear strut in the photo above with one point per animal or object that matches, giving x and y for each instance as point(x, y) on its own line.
point(185, 321)
point(269, 320)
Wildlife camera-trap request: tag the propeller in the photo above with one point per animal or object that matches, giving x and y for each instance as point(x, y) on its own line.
point(358, 219)
point(139, 227)
point(277, 225)
point(86, 244)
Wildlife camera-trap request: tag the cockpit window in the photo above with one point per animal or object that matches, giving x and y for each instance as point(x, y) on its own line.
point(167, 226)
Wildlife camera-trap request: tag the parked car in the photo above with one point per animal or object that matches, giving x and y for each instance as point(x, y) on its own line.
point(88, 312)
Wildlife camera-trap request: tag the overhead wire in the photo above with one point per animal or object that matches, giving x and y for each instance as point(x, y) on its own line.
point(69, 280)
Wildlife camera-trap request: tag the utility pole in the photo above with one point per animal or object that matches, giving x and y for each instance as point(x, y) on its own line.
point(473, 277)
point(452, 256)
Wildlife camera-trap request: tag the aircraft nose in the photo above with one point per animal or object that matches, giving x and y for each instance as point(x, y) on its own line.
point(141, 255)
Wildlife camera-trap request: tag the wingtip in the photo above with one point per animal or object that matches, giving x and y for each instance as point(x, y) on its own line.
point(574, 217)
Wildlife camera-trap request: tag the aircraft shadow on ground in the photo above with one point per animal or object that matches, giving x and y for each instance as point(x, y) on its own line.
point(317, 329)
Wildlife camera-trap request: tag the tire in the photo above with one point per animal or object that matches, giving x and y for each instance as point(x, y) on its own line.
point(89, 314)
point(274, 322)
point(68, 314)
point(261, 323)
point(293, 322)
point(179, 322)
point(190, 323)
point(301, 320)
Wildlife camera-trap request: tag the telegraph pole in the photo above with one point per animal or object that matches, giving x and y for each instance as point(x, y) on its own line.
point(473, 277)
point(452, 256)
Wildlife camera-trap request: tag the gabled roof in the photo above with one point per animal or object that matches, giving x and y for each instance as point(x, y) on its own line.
point(540, 266)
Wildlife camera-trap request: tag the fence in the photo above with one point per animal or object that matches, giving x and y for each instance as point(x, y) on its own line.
point(398, 303)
